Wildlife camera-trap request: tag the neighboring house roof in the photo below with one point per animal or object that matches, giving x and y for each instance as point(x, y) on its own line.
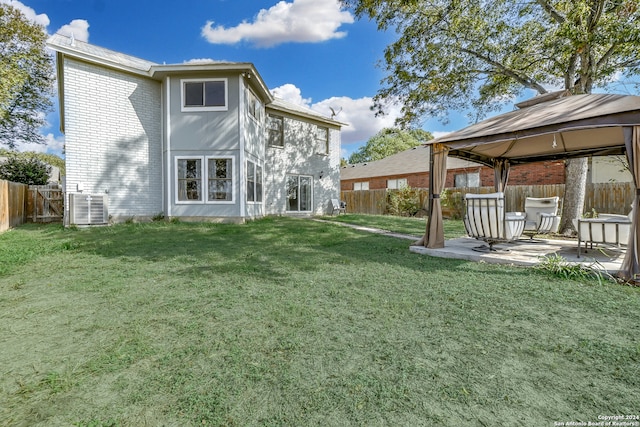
point(99, 55)
point(412, 161)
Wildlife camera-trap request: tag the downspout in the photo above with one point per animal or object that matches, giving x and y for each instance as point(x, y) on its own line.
point(167, 175)
point(242, 159)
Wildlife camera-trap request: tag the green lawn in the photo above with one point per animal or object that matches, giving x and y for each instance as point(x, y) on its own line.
point(405, 225)
point(293, 322)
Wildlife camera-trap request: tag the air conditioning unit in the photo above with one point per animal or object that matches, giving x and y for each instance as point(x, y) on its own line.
point(88, 209)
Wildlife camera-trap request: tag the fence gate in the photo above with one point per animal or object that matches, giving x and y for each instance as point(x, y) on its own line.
point(45, 204)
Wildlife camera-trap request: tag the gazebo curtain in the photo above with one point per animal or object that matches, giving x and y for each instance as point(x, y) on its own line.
point(434, 236)
point(500, 174)
point(630, 270)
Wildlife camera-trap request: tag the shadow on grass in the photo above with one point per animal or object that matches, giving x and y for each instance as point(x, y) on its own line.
point(270, 248)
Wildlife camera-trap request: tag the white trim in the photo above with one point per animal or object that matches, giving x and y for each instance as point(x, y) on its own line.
point(202, 181)
point(184, 108)
point(233, 181)
point(167, 176)
point(242, 146)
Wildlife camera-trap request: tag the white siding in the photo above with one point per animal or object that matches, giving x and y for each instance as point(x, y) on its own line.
point(299, 157)
point(113, 137)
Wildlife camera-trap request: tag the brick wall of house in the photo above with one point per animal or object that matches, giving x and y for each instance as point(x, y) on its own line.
point(543, 173)
point(113, 137)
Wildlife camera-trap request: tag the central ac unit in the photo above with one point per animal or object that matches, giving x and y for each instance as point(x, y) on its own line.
point(88, 209)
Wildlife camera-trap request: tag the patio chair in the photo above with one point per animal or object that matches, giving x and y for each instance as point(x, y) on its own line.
point(609, 229)
point(338, 206)
point(486, 220)
point(541, 216)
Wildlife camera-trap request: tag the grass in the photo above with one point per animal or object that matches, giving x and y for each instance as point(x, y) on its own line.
point(292, 322)
point(404, 225)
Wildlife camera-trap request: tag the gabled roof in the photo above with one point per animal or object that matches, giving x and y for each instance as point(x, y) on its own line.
point(412, 161)
point(102, 56)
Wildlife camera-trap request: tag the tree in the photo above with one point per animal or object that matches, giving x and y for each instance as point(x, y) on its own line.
point(477, 55)
point(49, 159)
point(26, 78)
point(26, 170)
point(387, 142)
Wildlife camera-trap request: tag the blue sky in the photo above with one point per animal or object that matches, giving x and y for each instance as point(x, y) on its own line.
point(312, 52)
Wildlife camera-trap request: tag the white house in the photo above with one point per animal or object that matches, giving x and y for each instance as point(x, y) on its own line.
point(191, 141)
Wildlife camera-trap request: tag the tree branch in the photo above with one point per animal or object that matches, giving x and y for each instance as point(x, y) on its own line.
point(551, 11)
point(525, 81)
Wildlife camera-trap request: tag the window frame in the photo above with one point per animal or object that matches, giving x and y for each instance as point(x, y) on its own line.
point(322, 141)
point(204, 180)
point(399, 183)
point(257, 195)
point(177, 180)
point(466, 179)
point(196, 108)
point(271, 131)
point(233, 181)
point(361, 184)
point(298, 177)
point(254, 106)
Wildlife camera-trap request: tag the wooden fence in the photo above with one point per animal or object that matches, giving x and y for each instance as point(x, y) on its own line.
point(45, 203)
point(20, 203)
point(608, 197)
point(13, 207)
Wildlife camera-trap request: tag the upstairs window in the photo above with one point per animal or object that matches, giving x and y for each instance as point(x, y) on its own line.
point(204, 95)
point(275, 129)
point(254, 106)
point(322, 140)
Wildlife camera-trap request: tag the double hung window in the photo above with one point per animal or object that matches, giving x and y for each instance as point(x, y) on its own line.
point(275, 131)
point(322, 140)
point(204, 180)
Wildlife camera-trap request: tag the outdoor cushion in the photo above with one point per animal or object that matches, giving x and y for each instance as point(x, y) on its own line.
point(487, 220)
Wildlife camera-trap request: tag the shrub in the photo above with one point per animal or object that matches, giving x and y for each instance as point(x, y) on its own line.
point(29, 171)
point(454, 202)
point(403, 202)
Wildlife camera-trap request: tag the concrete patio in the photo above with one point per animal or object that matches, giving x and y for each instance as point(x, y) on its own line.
point(522, 252)
point(526, 253)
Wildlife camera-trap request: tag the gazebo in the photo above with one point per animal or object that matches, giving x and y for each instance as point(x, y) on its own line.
point(568, 127)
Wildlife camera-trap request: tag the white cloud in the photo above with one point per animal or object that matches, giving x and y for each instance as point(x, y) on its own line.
point(53, 144)
point(41, 19)
point(78, 27)
point(356, 113)
point(292, 94)
point(298, 21)
point(438, 134)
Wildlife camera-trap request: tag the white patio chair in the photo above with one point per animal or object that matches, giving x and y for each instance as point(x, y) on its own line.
point(486, 220)
point(541, 216)
point(338, 206)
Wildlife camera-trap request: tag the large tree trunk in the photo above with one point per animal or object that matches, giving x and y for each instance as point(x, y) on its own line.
point(575, 188)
